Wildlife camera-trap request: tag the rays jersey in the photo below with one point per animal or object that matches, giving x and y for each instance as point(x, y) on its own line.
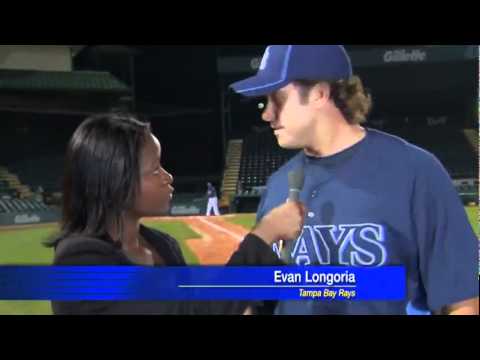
point(382, 202)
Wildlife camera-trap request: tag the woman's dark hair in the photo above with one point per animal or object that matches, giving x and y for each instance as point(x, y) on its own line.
point(102, 174)
point(349, 96)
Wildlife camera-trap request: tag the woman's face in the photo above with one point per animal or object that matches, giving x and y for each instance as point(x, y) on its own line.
point(156, 191)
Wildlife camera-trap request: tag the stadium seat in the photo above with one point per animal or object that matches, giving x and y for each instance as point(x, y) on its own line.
point(262, 156)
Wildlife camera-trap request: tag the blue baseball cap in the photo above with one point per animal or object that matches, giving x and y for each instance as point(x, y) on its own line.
point(283, 64)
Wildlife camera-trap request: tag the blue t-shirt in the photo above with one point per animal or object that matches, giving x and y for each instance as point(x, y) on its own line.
point(382, 202)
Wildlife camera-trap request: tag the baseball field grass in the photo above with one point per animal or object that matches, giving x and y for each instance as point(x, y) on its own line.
point(181, 232)
point(472, 213)
point(245, 220)
point(25, 247)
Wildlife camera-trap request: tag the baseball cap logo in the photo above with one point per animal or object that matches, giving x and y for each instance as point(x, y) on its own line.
point(264, 62)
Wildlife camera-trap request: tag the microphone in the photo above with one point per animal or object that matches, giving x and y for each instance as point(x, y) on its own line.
point(296, 181)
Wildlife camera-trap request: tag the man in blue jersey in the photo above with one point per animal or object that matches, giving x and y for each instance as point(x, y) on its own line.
point(373, 199)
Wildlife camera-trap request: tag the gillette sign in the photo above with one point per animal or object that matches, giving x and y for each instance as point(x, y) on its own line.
point(404, 56)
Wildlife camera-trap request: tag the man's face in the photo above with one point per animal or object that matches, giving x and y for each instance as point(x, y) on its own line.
point(290, 118)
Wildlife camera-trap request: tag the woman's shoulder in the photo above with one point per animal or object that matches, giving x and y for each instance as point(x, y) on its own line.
point(87, 250)
point(166, 245)
point(157, 235)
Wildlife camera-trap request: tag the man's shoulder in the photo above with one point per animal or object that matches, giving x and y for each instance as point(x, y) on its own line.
point(290, 165)
point(380, 138)
point(396, 148)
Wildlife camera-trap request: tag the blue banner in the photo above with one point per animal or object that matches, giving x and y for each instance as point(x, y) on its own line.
point(127, 283)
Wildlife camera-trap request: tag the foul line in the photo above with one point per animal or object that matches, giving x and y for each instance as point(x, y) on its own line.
point(219, 228)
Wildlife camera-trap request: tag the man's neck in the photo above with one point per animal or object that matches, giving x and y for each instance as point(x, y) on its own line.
point(334, 137)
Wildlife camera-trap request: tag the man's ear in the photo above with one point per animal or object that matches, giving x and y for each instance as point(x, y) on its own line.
point(320, 94)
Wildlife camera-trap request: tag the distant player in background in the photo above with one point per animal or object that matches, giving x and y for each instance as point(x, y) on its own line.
point(39, 194)
point(373, 199)
point(212, 201)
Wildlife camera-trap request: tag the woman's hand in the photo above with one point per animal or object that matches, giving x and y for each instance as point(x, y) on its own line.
point(282, 223)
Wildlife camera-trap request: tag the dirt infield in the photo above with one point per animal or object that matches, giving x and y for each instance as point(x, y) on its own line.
point(220, 239)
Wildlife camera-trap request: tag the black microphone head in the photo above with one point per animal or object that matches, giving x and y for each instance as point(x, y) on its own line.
point(296, 179)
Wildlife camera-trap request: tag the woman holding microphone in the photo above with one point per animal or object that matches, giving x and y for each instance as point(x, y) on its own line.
point(114, 178)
